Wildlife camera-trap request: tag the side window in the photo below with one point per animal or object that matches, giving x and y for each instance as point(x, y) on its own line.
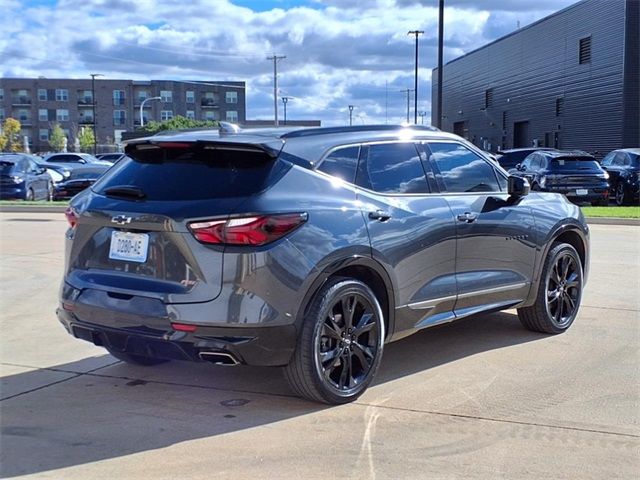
point(608, 160)
point(22, 166)
point(626, 161)
point(392, 168)
point(32, 167)
point(461, 170)
point(341, 163)
point(527, 163)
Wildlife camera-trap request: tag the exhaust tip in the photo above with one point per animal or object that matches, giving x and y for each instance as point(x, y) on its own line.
point(219, 358)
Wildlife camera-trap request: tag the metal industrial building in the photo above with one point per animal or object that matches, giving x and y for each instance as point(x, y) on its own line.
point(40, 102)
point(570, 80)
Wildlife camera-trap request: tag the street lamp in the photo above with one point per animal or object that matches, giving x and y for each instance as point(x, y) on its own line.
point(93, 99)
point(142, 106)
point(284, 101)
point(415, 87)
point(440, 66)
point(422, 115)
point(350, 115)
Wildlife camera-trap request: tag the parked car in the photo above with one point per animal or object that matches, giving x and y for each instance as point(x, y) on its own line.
point(623, 167)
point(110, 157)
point(73, 160)
point(575, 174)
point(79, 179)
point(57, 172)
point(311, 249)
point(508, 159)
point(22, 178)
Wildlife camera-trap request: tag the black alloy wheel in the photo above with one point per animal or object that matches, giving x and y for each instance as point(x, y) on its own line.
point(559, 292)
point(340, 346)
point(620, 194)
point(50, 192)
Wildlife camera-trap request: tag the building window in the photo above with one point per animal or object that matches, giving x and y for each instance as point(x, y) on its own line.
point(210, 115)
point(488, 97)
point(232, 97)
point(62, 115)
point(191, 115)
point(166, 96)
point(23, 116)
point(142, 96)
point(1, 114)
point(191, 96)
point(42, 95)
point(232, 116)
point(1, 93)
point(43, 115)
point(85, 116)
point(585, 50)
point(119, 117)
point(559, 106)
point(118, 98)
point(62, 95)
point(44, 134)
point(166, 115)
point(85, 97)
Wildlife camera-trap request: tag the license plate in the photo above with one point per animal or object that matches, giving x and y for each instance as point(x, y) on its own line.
point(582, 191)
point(131, 247)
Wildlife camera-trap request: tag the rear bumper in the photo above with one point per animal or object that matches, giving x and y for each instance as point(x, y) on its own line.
point(592, 195)
point(156, 338)
point(10, 192)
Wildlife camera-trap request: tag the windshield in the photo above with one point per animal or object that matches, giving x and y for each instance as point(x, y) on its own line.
point(574, 163)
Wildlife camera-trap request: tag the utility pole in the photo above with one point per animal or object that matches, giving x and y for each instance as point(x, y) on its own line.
point(440, 47)
point(415, 88)
point(284, 102)
point(408, 92)
point(350, 115)
point(275, 59)
point(93, 101)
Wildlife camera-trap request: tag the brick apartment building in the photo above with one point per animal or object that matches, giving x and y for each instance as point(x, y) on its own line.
point(38, 103)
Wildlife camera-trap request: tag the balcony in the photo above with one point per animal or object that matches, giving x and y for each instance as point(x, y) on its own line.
point(25, 121)
point(209, 103)
point(85, 101)
point(85, 121)
point(20, 101)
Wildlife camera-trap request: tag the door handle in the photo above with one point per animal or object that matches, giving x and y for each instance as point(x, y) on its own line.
point(467, 217)
point(380, 215)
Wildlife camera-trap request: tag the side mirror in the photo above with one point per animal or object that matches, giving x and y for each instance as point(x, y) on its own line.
point(42, 170)
point(82, 160)
point(518, 166)
point(518, 186)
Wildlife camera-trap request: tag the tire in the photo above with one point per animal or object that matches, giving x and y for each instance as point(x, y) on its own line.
point(29, 196)
point(136, 359)
point(50, 192)
point(338, 354)
point(559, 292)
point(603, 202)
point(621, 195)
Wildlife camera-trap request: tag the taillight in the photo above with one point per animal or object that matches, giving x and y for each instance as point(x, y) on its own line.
point(254, 230)
point(72, 216)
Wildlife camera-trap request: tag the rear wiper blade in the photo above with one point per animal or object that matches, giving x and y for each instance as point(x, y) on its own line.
point(125, 191)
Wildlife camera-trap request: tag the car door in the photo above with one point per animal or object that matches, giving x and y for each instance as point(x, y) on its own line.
point(496, 244)
point(38, 181)
point(412, 233)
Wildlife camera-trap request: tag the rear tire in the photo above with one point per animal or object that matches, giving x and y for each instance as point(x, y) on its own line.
point(29, 196)
point(559, 292)
point(50, 192)
point(603, 202)
point(136, 359)
point(621, 195)
point(340, 345)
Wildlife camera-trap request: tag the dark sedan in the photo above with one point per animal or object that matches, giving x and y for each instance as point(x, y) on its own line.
point(623, 167)
point(508, 159)
point(576, 174)
point(22, 178)
point(80, 178)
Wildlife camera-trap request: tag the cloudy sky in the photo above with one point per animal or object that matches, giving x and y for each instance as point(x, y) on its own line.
point(338, 52)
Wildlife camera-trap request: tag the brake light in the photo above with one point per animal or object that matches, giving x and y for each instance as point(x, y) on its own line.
point(254, 230)
point(184, 327)
point(72, 216)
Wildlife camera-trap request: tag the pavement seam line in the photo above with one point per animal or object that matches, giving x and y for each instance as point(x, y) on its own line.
point(498, 420)
point(612, 308)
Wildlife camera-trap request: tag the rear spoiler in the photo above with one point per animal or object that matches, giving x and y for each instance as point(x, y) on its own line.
point(135, 147)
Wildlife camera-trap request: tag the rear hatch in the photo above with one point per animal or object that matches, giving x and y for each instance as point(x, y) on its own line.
point(577, 171)
point(132, 235)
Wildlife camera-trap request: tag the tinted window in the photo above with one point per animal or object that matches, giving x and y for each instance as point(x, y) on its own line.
point(342, 163)
point(393, 168)
point(6, 167)
point(574, 163)
point(194, 173)
point(634, 159)
point(461, 170)
point(63, 158)
point(608, 159)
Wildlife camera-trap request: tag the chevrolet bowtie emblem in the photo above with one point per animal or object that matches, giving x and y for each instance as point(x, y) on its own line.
point(121, 219)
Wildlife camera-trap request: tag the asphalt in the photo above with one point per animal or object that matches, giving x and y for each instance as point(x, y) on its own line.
point(480, 398)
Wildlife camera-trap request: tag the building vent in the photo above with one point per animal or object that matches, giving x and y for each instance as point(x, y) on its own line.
point(559, 106)
point(585, 50)
point(488, 97)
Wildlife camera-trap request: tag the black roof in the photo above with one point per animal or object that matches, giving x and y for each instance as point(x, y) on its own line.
point(566, 154)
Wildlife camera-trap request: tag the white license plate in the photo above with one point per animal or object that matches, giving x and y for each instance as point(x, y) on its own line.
point(131, 247)
point(582, 191)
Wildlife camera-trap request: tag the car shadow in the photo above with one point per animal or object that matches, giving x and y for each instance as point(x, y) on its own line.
point(119, 410)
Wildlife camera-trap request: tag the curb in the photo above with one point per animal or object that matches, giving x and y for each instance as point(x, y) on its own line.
point(36, 209)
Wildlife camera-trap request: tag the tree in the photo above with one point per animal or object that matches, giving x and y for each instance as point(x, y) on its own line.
point(57, 138)
point(178, 123)
point(11, 133)
point(86, 139)
point(3, 141)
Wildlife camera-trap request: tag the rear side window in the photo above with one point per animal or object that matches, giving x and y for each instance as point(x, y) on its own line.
point(341, 163)
point(64, 158)
point(392, 168)
point(6, 167)
point(194, 173)
point(458, 169)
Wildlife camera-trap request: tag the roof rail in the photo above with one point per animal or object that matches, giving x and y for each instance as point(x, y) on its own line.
point(356, 128)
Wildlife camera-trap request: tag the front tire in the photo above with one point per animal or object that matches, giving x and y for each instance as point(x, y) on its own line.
point(559, 293)
point(340, 346)
point(136, 359)
point(29, 196)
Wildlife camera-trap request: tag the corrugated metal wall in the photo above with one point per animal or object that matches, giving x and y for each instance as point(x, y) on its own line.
point(529, 70)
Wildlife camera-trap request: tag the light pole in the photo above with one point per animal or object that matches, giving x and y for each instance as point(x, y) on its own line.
point(408, 92)
point(422, 114)
point(275, 59)
point(440, 47)
point(415, 87)
point(350, 115)
point(93, 100)
point(284, 102)
point(142, 106)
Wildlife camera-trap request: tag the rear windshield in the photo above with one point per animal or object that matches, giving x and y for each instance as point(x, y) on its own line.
point(6, 167)
point(194, 173)
point(574, 163)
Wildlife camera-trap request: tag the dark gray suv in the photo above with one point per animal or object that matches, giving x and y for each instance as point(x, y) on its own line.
point(310, 249)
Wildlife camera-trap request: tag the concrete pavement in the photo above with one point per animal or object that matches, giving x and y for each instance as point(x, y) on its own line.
point(481, 398)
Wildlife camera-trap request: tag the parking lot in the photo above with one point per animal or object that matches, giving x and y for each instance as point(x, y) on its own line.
point(481, 398)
